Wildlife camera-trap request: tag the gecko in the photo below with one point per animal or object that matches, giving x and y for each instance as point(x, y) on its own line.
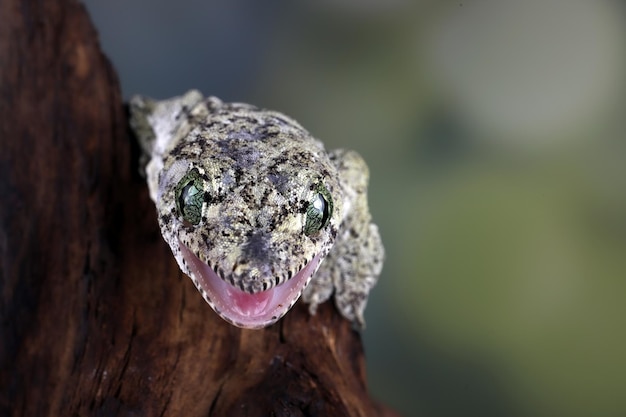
point(255, 210)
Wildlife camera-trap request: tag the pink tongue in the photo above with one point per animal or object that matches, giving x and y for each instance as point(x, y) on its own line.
point(249, 304)
point(240, 308)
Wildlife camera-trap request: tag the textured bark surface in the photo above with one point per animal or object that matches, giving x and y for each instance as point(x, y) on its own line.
point(96, 318)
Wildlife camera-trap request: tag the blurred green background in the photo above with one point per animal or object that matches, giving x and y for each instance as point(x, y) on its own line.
point(494, 135)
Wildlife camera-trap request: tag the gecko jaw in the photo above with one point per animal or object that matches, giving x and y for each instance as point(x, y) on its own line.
point(242, 309)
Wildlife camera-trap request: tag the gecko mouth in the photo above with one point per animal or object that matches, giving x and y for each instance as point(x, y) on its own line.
point(243, 309)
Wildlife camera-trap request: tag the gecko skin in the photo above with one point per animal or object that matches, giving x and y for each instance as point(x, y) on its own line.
point(255, 211)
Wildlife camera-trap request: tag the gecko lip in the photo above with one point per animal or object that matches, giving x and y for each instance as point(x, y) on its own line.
point(243, 309)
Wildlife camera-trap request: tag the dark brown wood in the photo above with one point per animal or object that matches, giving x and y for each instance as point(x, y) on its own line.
point(96, 319)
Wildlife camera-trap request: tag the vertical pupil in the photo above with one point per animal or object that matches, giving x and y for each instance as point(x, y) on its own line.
point(321, 206)
point(318, 204)
point(188, 194)
point(318, 213)
point(190, 203)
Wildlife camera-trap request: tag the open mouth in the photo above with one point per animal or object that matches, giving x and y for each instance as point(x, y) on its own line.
point(243, 309)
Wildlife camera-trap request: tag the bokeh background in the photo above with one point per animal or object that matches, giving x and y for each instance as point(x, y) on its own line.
point(494, 132)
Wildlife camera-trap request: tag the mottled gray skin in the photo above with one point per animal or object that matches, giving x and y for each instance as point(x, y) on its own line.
point(259, 172)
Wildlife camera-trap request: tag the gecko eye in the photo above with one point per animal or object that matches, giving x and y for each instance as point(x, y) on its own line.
point(190, 196)
point(319, 211)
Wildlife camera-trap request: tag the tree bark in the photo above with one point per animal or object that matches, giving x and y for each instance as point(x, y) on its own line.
point(96, 318)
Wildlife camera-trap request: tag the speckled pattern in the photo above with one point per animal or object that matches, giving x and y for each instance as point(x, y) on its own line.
point(260, 171)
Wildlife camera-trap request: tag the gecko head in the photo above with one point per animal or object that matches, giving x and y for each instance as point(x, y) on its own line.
point(250, 241)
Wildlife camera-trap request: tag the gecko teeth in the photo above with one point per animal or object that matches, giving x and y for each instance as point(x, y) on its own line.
point(242, 308)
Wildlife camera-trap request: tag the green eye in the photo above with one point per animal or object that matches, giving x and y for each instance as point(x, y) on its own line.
point(190, 196)
point(319, 211)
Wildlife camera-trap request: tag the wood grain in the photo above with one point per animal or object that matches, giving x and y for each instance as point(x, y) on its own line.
point(96, 319)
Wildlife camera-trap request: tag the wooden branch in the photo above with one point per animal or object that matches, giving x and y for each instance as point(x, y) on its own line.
point(96, 317)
